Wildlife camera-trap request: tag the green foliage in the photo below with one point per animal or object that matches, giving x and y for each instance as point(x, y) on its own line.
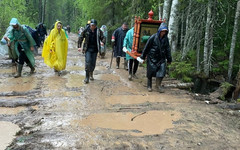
point(225, 86)
point(182, 71)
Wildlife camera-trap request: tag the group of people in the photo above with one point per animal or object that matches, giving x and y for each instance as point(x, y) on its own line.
point(21, 46)
point(157, 51)
point(91, 39)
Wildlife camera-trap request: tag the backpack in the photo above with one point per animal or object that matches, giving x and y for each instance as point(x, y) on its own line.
point(34, 35)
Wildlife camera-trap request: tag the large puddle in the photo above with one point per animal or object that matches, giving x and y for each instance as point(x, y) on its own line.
point(138, 99)
point(145, 123)
point(7, 133)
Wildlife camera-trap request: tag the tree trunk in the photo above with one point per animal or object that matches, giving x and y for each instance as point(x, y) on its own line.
point(166, 10)
point(44, 9)
point(160, 9)
point(173, 26)
point(236, 93)
point(206, 40)
point(198, 50)
point(40, 10)
point(185, 48)
point(233, 43)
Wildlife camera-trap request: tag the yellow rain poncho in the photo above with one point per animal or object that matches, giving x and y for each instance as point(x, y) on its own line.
point(55, 49)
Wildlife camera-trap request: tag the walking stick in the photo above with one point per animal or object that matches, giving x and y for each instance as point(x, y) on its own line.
point(111, 58)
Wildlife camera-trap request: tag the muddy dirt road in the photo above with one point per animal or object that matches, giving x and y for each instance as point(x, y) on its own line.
point(47, 111)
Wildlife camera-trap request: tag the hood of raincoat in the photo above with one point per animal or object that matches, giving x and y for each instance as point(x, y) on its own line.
point(162, 27)
point(55, 31)
point(14, 21)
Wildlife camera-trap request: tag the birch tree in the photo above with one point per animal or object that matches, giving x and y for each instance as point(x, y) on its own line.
point(233, 43)
point(166, 9)
point(160, 9)
point(173, 26)
point(207, 40)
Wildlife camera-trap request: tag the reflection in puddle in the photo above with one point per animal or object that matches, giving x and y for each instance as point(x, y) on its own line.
point(11, 111)
point(137, 99)
point(8, 131)
point(146, 123)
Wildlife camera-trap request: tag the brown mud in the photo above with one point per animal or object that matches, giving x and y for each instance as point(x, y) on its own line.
point(61, 112)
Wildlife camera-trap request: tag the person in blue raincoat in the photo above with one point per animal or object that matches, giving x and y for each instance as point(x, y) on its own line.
point(24, 45)
point(127, 46)
point(157, 51)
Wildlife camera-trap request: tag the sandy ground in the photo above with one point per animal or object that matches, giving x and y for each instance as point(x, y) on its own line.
point(47, 111)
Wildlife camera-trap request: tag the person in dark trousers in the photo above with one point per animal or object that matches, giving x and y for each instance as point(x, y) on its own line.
point(117, 42)
point(127, 46)
point(24, 45)
point(158, 52)
point(93, 40)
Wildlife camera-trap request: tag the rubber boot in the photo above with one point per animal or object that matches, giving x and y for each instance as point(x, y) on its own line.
point(19, 71)
point(32, 68)
point(91, 76)
point(117, 62)
point(86, 80)
point(149, 85)
point(130, 77)
point(125, 64)
point(158, 85)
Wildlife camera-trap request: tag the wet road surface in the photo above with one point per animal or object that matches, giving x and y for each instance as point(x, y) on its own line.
point(47, 111)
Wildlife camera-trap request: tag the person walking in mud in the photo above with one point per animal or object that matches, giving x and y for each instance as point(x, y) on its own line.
point(157, 51)
point(93, 40)
point(24, 45)
point(127, 46)
point(117, 42)
point(55, 49)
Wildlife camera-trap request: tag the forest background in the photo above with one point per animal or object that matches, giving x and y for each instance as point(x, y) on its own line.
point(203, 34)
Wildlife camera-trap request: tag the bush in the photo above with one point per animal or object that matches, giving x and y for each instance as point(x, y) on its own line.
point(182, 71)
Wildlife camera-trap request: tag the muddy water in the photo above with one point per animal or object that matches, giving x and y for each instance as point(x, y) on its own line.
point(11, 111)
point(74, 80)
point(137, 99)
point(108, 77)
point(8, 131)
point(145, 123)
point(18, 84)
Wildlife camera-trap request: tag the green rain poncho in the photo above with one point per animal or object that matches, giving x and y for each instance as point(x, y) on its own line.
point(22, 36)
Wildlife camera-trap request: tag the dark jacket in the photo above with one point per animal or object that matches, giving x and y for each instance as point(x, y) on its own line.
point(85, 35)
point(119, 35)
point(157, 52)
point(41, 30)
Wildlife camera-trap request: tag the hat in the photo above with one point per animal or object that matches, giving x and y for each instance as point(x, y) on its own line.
point(93, 22)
